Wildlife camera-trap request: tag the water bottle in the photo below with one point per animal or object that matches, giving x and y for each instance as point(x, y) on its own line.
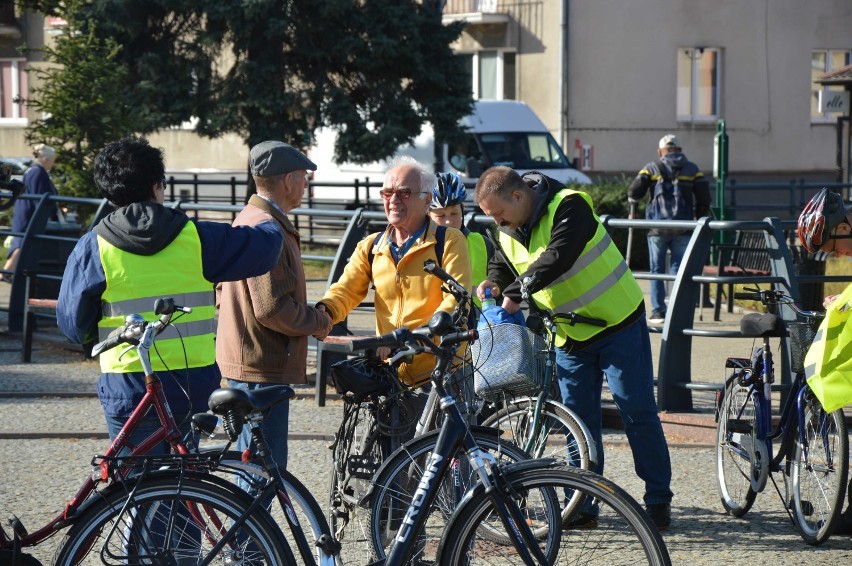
point(488, 301)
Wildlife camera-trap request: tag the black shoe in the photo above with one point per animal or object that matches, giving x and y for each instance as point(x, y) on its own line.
point(661, 515)
point(580, 521)
point(657, 317)
point(843, 527)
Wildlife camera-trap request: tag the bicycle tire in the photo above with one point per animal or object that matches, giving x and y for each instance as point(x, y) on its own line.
point(308, 510)
point(111, 531)
point(820, 483)
point(624, 533)
point(734, 443)
point(560, 427)
point(394, 486)
point(348, 521)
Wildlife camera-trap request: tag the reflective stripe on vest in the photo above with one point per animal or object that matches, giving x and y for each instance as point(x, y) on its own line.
point(598, 285)
point(173, 272)
point(478, 262)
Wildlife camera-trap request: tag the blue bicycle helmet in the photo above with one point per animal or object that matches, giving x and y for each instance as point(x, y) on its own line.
point(449, 191)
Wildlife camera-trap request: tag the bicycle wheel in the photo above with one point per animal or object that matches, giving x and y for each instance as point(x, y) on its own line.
point(819, 471)
point(394, 487)
point(308, 511)
point(734, 447)
point(167, 524)
point(562, 436)
point(624, 533)
point(354, 463)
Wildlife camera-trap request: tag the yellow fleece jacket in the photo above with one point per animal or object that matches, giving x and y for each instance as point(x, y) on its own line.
point(405, 295)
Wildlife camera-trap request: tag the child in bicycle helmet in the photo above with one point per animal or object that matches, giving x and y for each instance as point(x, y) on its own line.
point(826, 217)
point(447, 208)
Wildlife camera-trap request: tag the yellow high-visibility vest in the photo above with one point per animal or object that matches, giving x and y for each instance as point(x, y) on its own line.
point(134, 282)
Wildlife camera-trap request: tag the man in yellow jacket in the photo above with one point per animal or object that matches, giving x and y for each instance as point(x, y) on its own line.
point(392, 262)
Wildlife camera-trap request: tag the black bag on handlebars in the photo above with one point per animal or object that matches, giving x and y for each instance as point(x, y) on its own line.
point(362, 376)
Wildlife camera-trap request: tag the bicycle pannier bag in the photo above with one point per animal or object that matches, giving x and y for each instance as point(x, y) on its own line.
point(828, 364)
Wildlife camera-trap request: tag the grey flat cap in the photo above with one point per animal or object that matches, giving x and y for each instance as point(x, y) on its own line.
point(272, 158)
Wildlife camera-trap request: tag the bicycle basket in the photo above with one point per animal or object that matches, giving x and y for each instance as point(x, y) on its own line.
point(362, 376)
point(801, 336)
point(509, 359)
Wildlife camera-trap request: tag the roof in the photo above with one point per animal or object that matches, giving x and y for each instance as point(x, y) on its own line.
point(841, 76)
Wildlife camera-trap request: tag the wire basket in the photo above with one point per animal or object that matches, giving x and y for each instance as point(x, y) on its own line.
point(801, 336)
point(509, 359)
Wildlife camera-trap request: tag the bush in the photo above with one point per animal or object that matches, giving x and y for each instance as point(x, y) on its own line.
point(610, 197)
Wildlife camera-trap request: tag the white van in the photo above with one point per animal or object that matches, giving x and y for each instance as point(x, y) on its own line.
point(499, 132)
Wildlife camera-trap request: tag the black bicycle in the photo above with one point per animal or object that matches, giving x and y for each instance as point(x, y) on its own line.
point(513, 513)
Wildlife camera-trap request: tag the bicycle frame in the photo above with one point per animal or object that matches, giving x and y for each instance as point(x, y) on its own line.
point(455, 432)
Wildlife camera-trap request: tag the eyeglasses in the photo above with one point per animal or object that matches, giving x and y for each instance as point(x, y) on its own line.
point(404, 194)
point(163, 182)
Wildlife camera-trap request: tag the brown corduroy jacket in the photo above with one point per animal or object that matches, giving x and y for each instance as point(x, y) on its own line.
point(265, 321)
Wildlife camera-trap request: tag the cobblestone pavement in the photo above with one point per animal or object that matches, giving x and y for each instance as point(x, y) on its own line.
point(39, 474)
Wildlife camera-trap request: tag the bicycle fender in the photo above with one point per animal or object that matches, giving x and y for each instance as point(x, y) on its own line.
point(96, 496)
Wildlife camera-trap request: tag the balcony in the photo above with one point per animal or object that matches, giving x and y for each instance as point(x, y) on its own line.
point(474, 12)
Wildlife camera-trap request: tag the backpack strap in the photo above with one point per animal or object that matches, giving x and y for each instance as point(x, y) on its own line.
point(440, 239)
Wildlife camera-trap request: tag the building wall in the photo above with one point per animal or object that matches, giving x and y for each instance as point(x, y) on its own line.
point(622, 79)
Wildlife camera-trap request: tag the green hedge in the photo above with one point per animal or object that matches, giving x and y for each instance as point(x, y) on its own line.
point(610, 197)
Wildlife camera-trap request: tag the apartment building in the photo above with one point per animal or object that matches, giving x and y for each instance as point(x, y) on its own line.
point(609, 78)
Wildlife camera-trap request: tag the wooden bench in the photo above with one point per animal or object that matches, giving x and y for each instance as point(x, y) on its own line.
point(39, 302)
point(746, 256)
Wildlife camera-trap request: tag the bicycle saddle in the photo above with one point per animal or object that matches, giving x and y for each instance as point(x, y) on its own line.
point(245, 402)
point(755, 325)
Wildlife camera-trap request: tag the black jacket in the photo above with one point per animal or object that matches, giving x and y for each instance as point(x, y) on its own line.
point(574, 225)
point(693, 184)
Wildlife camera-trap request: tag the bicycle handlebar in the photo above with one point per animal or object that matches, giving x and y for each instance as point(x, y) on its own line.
point(419, 340)
point(570, 317)
point(135, 325)
point(772, 296)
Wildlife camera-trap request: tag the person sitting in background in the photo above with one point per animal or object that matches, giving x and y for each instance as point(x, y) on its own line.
point(36, 182)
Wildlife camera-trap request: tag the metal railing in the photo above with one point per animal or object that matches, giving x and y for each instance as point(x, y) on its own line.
point(345, 228)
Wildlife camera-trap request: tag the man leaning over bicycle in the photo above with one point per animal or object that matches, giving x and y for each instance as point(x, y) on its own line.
point(392, 262)
point(826, 225)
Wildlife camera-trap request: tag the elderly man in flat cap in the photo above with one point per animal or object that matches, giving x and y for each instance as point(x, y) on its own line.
point(265, 321)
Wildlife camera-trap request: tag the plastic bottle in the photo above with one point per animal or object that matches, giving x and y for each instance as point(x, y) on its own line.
point(488, 301)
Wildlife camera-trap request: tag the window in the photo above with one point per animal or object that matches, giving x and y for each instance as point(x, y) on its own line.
point(492, 74)
point(698, 92)
point(13, 85)
point(823, 61)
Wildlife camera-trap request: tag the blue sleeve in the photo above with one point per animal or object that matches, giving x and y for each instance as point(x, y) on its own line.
point(78, 309)
point(231, 253)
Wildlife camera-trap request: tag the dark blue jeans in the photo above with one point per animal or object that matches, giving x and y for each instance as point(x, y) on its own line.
point(625, 359)
point(657, 247)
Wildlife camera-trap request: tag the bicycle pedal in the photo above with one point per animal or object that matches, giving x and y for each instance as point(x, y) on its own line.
point(738, 363)
point(740, 426)
point(362, 467)
point(17, 527)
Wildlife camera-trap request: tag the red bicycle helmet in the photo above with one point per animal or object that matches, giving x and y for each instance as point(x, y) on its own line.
point(822, 213)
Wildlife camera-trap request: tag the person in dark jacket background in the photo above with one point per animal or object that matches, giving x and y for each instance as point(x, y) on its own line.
point(144, 251)
point(36, 182)
point(696, 192)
